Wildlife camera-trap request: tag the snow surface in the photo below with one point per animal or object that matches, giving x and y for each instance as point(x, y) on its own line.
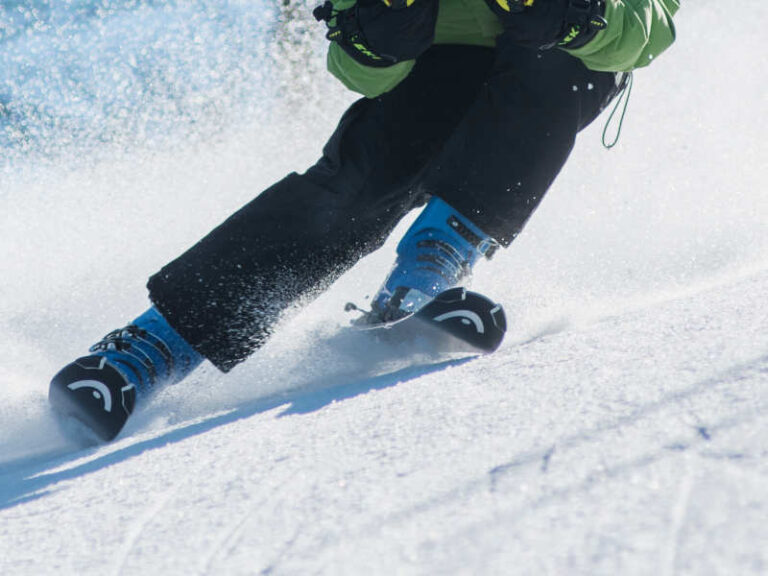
point(622, 428)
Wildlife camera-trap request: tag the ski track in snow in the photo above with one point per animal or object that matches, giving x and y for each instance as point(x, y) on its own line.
point(622, 428)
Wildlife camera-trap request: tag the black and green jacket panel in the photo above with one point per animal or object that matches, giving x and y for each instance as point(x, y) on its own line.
point(637, 32)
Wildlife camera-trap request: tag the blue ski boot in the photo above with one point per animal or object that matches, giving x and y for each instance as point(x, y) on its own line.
point(437, 253)
point(100, 390)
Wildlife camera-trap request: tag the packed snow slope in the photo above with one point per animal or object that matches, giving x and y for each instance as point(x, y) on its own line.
point(622, 428)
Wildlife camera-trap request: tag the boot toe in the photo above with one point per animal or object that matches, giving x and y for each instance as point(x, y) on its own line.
point(93, 391)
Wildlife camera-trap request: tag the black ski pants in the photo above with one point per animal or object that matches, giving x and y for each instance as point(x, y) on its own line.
point(485, 129)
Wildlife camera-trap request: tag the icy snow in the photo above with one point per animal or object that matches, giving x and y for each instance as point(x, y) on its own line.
point(622, 428)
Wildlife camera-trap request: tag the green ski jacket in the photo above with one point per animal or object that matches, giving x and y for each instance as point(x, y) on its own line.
point(638, 31)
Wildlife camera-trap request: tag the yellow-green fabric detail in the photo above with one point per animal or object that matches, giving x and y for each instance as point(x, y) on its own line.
point(638, 31)
point(342, 4)
point(365, 80)
point(468, 22)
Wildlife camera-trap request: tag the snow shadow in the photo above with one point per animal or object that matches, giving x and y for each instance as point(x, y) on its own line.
point(27, 479)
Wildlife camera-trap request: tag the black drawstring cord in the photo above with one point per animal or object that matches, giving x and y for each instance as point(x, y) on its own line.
point(624, 94)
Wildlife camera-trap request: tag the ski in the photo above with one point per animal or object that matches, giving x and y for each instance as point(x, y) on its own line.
point(457, 320)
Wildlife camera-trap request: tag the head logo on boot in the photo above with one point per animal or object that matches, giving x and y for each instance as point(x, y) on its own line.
point(100, 391)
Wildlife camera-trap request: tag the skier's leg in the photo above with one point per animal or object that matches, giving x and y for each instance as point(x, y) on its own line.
point(225, 294)
point(516, 137)
point(494, 170)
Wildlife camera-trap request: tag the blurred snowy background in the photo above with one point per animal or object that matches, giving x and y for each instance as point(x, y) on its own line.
point(622, 427)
